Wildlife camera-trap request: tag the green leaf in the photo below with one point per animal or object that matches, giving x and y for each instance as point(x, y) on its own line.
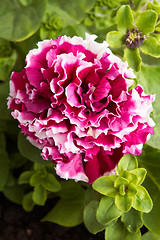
point(50, 183)
point(29, 151)
point(67, 213)
point(137, 4)
point(82, 6)
point(124, 19)
point(149, 159)
point(154, 6)
point(133, 58)
point(105, 185)
point(91, 195)
point(5, 113)
point(132, 190)
point(19, 22)
point(151, 47)
point(71, 190)
point(132, 220)
point(39, 195)
point(14, 193)
point(127, 162)
point(142, 201)
point(123, 203)
point(152, 219)
point(107, 211)
point(27, 202)
point(149, 77)
point(146, 22)
point(141, 174)
point(119, 232)
point(36, 179)
point(90, 219)
point(115, 39)
point(119, 181)
point(4, 167)
point(150, 236)
point(25, 177)
point(131, 177)
point(6, 65)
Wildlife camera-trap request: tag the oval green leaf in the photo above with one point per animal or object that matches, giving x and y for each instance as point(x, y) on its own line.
point(105, 185)
point(67, 213)
point(127, 162)
point(118, 231)
point(39, 195)
point(115, 39)
point(132, 220)
point(90, 219)
point(123, 203)
point(107, 211)
point(50, 183)
point(124, 19)
point(133, 58)
point(142, 201)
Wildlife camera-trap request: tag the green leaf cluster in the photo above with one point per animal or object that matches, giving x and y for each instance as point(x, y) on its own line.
point(121, 202)
point(42, 181)
point(137, 31)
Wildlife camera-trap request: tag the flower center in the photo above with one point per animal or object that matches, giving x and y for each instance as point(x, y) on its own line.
point(134, 39)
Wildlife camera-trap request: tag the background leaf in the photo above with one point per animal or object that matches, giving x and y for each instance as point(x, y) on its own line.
point(68, 213)
point(4, 162)
point(150, 159)
point(149, 78)
point(29, 151)
point(18, 21)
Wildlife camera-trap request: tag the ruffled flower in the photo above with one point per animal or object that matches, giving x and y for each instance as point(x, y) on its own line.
point(73, 101)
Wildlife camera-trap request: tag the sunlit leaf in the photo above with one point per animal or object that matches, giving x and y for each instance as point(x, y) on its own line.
point(151, 47)
point(146, 21)
point(105, 185)
point(124, 19)
point(133, 58)
point(127, 162)
point(142, 201)
point(115, 39)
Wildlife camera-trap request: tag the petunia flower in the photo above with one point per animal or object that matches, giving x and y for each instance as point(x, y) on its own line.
point(73, 101)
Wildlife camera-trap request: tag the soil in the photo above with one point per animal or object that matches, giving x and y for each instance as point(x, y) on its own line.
point(16, 224)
